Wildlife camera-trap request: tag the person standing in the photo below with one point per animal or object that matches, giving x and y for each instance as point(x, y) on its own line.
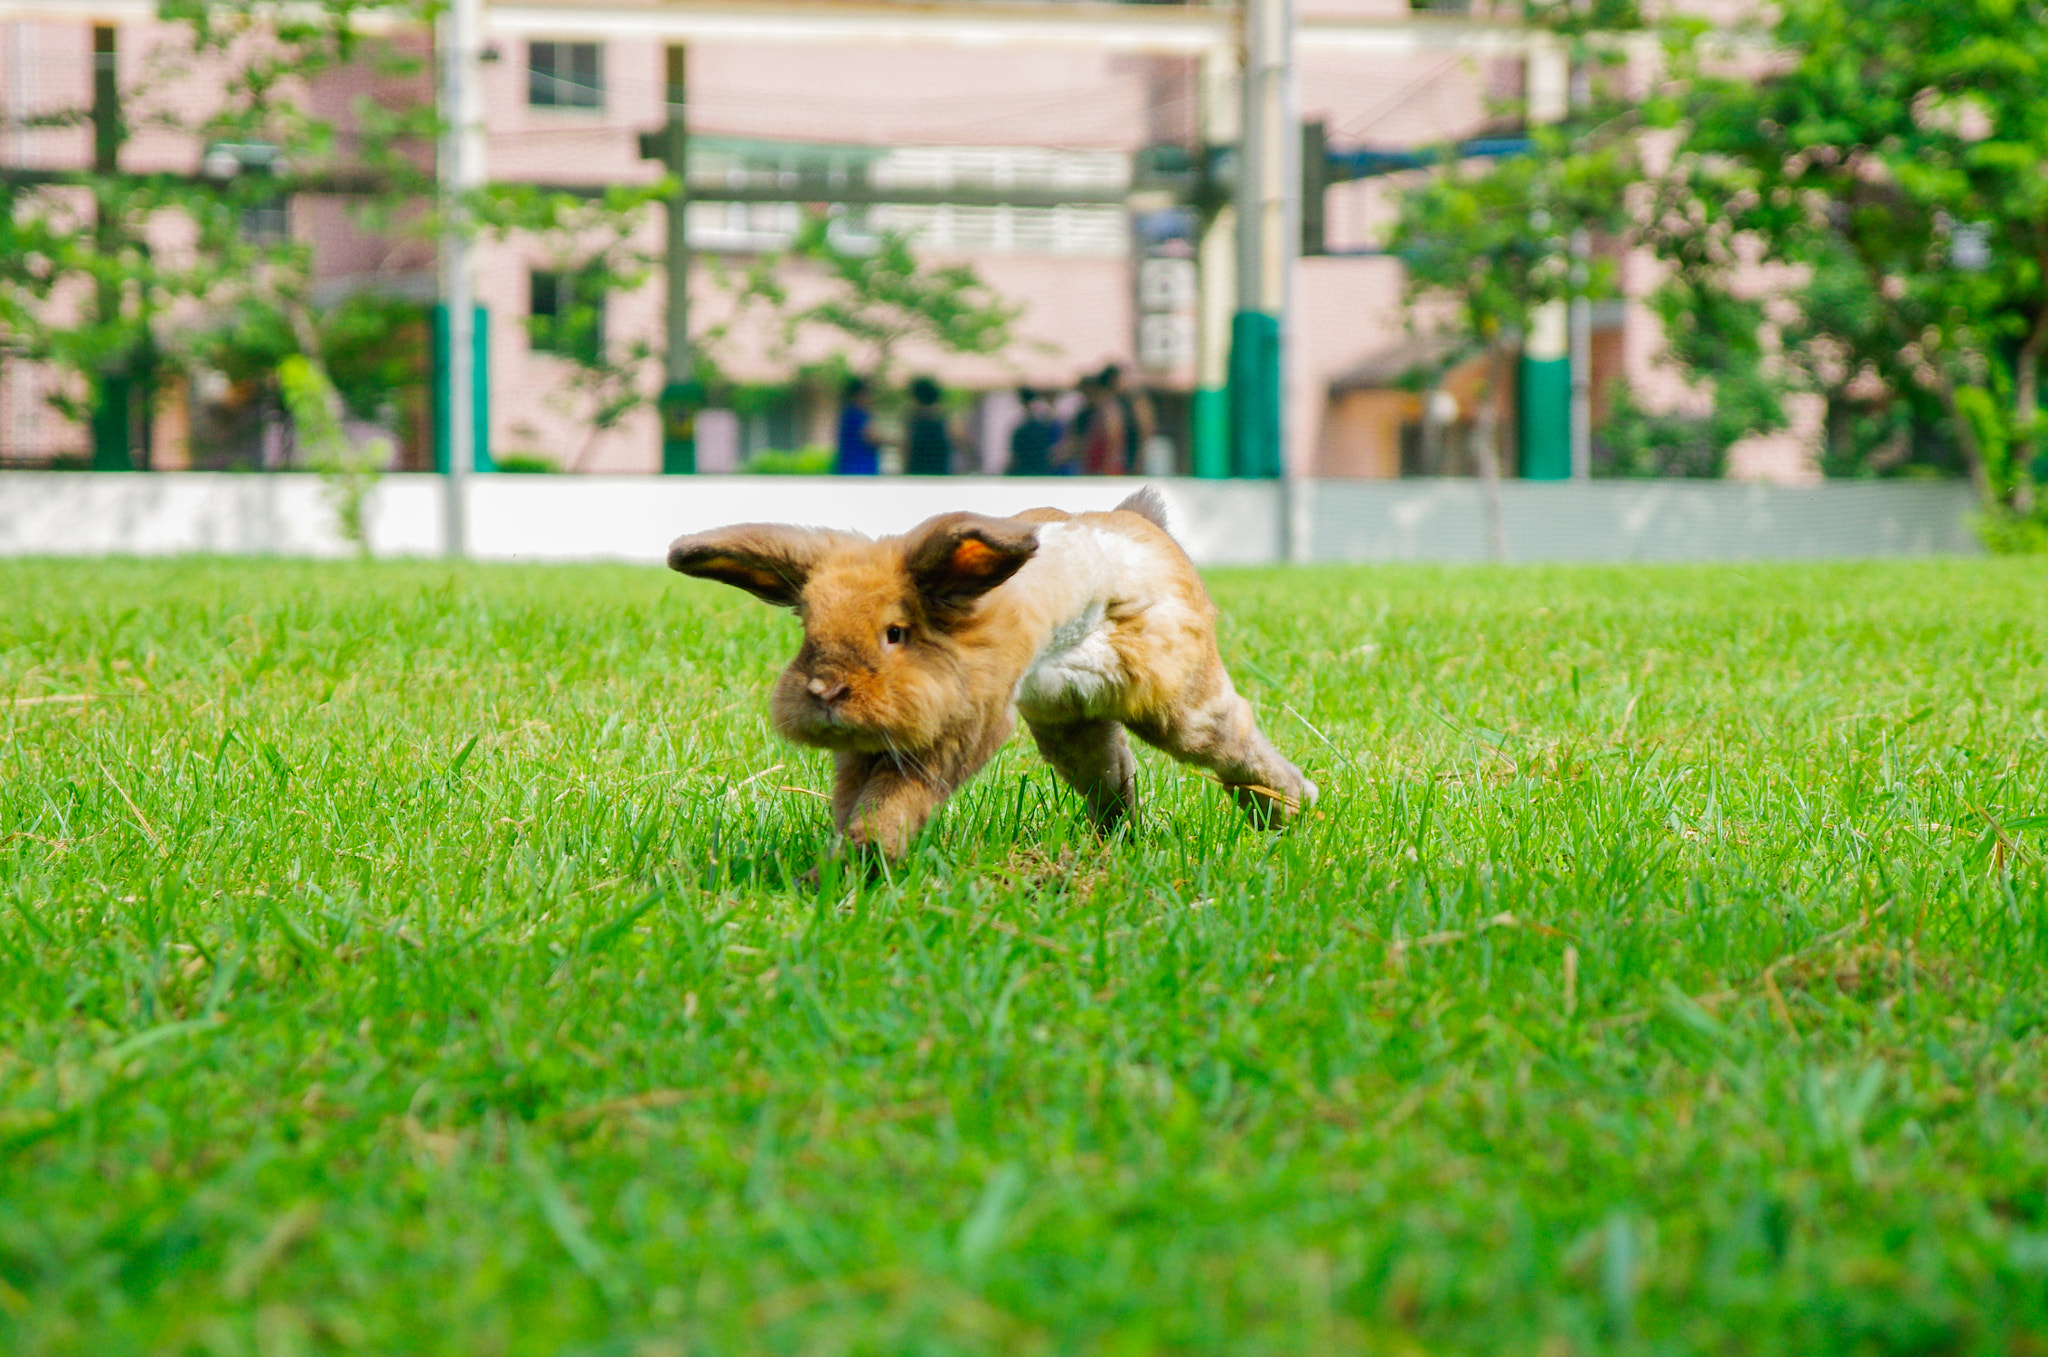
point(1071, 457)
point(1099, 430)
point(1032, 442)
point(858, 453)
point(1135, 410)
point(928, 442)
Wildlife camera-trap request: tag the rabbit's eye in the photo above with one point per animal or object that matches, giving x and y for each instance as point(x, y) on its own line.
point(895, 635)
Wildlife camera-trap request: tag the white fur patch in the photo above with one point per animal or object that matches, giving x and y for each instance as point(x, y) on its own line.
point(1118, 563)
point(1085, 571)
point(1077, 669)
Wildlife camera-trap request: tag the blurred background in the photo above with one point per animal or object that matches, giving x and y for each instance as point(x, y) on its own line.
point(1345, 239)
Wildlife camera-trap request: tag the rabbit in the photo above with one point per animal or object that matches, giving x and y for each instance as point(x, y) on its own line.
point(920, 651)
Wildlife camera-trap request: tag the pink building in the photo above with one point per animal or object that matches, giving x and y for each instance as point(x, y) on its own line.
point(976, 96)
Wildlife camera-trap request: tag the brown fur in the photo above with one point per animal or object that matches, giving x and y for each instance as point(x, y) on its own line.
point(911, 714)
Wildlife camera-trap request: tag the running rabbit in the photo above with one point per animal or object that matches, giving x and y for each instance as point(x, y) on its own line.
point(920, 651)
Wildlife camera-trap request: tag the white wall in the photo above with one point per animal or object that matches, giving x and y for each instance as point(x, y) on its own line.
point(1630, 520)
point(633, 518)
point(83, 513)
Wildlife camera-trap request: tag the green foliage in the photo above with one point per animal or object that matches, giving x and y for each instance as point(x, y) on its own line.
point(1889, 157)
point(2012, 535)
point(1584, 19)
point(589, 244)
point(1886, 158)
point(576, 328)
point(419, 959)
point(376, 348)
point(348, 470)
point(251, 289)
point(1634, 442)
point(1883, 436)
point(879, 299)
point(1498, 240)
point(311, 400)
point(240, 304)
point(1493, 237)
point(524, 463)
point(812, 461)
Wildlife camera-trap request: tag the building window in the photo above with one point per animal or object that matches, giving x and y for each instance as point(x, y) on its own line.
point(268, 220)
point(242, 168)
point(566, 317)
point(1100, 228)
point(565, 75)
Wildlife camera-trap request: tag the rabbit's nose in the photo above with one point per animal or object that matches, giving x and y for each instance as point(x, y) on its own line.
point(827, 693)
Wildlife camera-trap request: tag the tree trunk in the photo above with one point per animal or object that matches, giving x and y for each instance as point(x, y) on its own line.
point(1966, 438)
point(1944, 384)
point(1432, 452)
point(1486, 437)
point(2026, 405)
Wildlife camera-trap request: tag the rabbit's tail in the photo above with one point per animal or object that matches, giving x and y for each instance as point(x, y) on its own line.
point(1147, 504)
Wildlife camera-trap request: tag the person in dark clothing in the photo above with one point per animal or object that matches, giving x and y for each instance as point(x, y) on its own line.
point(1096, 440)
point(1072, 457)
point(1032, 442)
point(929, 444)
point(858, 453)
point(1135, 411)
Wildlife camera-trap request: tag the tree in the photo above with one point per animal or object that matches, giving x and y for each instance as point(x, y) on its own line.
point(87, 284)
point(879, 299)
point(240, 301)
point(590, 245)
point(1890, 160)
point(1493, 241)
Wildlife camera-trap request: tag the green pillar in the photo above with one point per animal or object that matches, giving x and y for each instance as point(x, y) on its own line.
point(480, 402)
point(1211, 431)
point(680, 402)
point(112, 425)
point(1546, 391)
point(1255, 395)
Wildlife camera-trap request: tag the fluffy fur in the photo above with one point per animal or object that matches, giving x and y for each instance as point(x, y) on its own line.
point(920, 651)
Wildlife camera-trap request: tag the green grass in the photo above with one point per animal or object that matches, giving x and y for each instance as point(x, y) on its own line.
point(412, 959)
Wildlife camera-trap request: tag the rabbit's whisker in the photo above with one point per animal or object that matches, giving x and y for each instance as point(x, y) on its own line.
point(915, 769)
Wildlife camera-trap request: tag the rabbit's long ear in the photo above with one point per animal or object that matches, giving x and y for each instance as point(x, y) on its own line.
point(956, 558)
point(771, 561)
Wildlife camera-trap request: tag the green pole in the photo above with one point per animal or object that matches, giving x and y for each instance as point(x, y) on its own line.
point(112, 410)
point(111, 414)
point(1211, 429)
point(1546, 414)
point(1255, 395)
point(681, 395)
point(680, 402)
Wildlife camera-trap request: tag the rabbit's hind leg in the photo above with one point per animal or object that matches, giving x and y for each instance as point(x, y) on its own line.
point(1221, 735)
point(1095, 760)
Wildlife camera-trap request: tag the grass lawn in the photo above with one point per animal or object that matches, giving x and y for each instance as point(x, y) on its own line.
point(419, 959)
